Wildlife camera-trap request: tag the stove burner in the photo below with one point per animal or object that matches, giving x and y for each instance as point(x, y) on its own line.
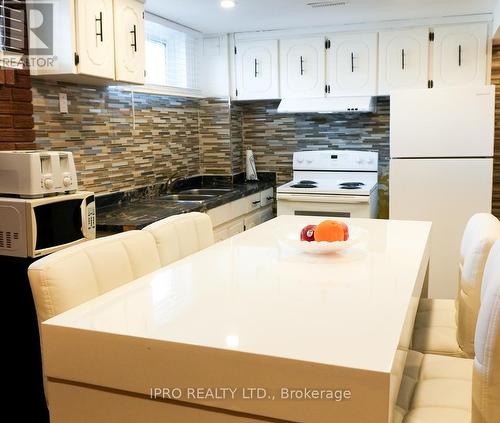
point(351, 185)
point(301, 185)
point(308, 182)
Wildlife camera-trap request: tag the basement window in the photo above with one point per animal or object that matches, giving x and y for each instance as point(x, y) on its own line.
point(172, 55)
point(13, 40)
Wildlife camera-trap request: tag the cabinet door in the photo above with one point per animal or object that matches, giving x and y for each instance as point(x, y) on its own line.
point(95, 40)
point(235, 228)
point(257, 70)
point(403, 60)
point(220, 234)
point(253, 220)
point(460, 55)
point(302, 67)
point(352, 64)
point(129, 41)
point(267, 197)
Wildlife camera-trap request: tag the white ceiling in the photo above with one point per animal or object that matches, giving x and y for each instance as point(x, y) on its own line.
point(253, 15)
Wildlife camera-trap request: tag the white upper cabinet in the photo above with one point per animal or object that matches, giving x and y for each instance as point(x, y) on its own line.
point(352, 64)
point(129, 41)
point(95, 38)
point(97, 41)
point(257, 74)
point(302, 67)
point(460, 55)
point(403, 60)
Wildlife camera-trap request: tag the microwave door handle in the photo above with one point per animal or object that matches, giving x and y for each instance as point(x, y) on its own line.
point(34, 233)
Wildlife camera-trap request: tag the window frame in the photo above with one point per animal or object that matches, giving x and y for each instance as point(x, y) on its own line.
point(166, 89)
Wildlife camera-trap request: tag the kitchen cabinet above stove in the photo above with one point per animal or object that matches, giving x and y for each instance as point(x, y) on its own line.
point(347, 64)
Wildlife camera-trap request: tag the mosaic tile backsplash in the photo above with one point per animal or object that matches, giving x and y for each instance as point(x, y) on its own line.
point(114, 152)
point(215, 136)
point(123, 141)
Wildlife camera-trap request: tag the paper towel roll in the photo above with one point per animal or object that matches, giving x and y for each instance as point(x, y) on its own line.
point(251, 170)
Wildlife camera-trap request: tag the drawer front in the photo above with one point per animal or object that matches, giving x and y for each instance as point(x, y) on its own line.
point(267, 197)
point(254, 202)
point(220, 215)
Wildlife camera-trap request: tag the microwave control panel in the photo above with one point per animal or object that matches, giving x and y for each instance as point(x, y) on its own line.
point(91, 222)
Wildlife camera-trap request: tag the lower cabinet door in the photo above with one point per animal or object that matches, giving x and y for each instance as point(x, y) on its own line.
point(253, 220)
point(267, 214)
point(220, 234)
point(235, 228)
point(228, 230)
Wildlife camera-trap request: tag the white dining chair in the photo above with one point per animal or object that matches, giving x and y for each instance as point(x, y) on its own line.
point(440, 389)
point(77, 274)
point(447, 327)
point(181, 235)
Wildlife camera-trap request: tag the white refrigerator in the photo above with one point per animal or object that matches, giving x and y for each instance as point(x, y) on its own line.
point(441, 168)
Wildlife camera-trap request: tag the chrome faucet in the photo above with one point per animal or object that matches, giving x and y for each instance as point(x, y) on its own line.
point(175, 177)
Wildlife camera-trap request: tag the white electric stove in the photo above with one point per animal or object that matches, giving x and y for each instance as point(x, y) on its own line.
point(333, 183)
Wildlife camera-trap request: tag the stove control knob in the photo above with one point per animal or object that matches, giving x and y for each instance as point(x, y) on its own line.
point(309, 161)
point(359, 160)
point(66, 181)
point(370, 161)
point(48, 183)
point(300, 159)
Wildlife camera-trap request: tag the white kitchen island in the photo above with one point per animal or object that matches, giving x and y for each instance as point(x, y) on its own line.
point(246, 330)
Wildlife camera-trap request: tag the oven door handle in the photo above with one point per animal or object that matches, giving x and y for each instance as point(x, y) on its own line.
point(339, 199)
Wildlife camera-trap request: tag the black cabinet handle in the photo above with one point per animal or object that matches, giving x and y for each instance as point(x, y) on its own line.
point(301, 65)
point(269, 198)
point(256, 68)
point(99, 20)
point(352, 62)
point(403, 59)
point(134, 38)
point(460, 55)
point(256, 202)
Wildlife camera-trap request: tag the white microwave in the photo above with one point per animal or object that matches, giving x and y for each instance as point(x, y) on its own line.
point(36, 227)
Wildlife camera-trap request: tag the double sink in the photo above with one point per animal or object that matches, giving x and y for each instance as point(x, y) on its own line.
point(196, 195)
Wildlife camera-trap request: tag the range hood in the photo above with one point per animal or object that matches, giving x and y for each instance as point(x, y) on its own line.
point(327, 105)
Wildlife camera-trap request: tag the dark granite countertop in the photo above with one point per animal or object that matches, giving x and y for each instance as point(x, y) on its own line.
point(138, 208)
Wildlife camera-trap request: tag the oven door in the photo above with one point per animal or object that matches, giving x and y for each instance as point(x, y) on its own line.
point(325, 205)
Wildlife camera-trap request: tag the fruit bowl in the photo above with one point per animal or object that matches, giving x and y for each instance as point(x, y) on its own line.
point(292, 240)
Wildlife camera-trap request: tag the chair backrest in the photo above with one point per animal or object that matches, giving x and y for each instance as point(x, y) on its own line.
point(481, 232)
point(77, 274)
point(486, 376)
point(181, 235)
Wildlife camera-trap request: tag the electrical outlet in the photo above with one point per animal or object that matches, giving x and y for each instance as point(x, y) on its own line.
point(63, 102)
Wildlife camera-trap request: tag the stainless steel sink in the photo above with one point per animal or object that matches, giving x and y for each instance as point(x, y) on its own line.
point(206, 191)
point(187, 197)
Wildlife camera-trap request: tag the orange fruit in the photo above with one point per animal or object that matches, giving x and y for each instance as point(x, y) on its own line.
point(330, 231)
